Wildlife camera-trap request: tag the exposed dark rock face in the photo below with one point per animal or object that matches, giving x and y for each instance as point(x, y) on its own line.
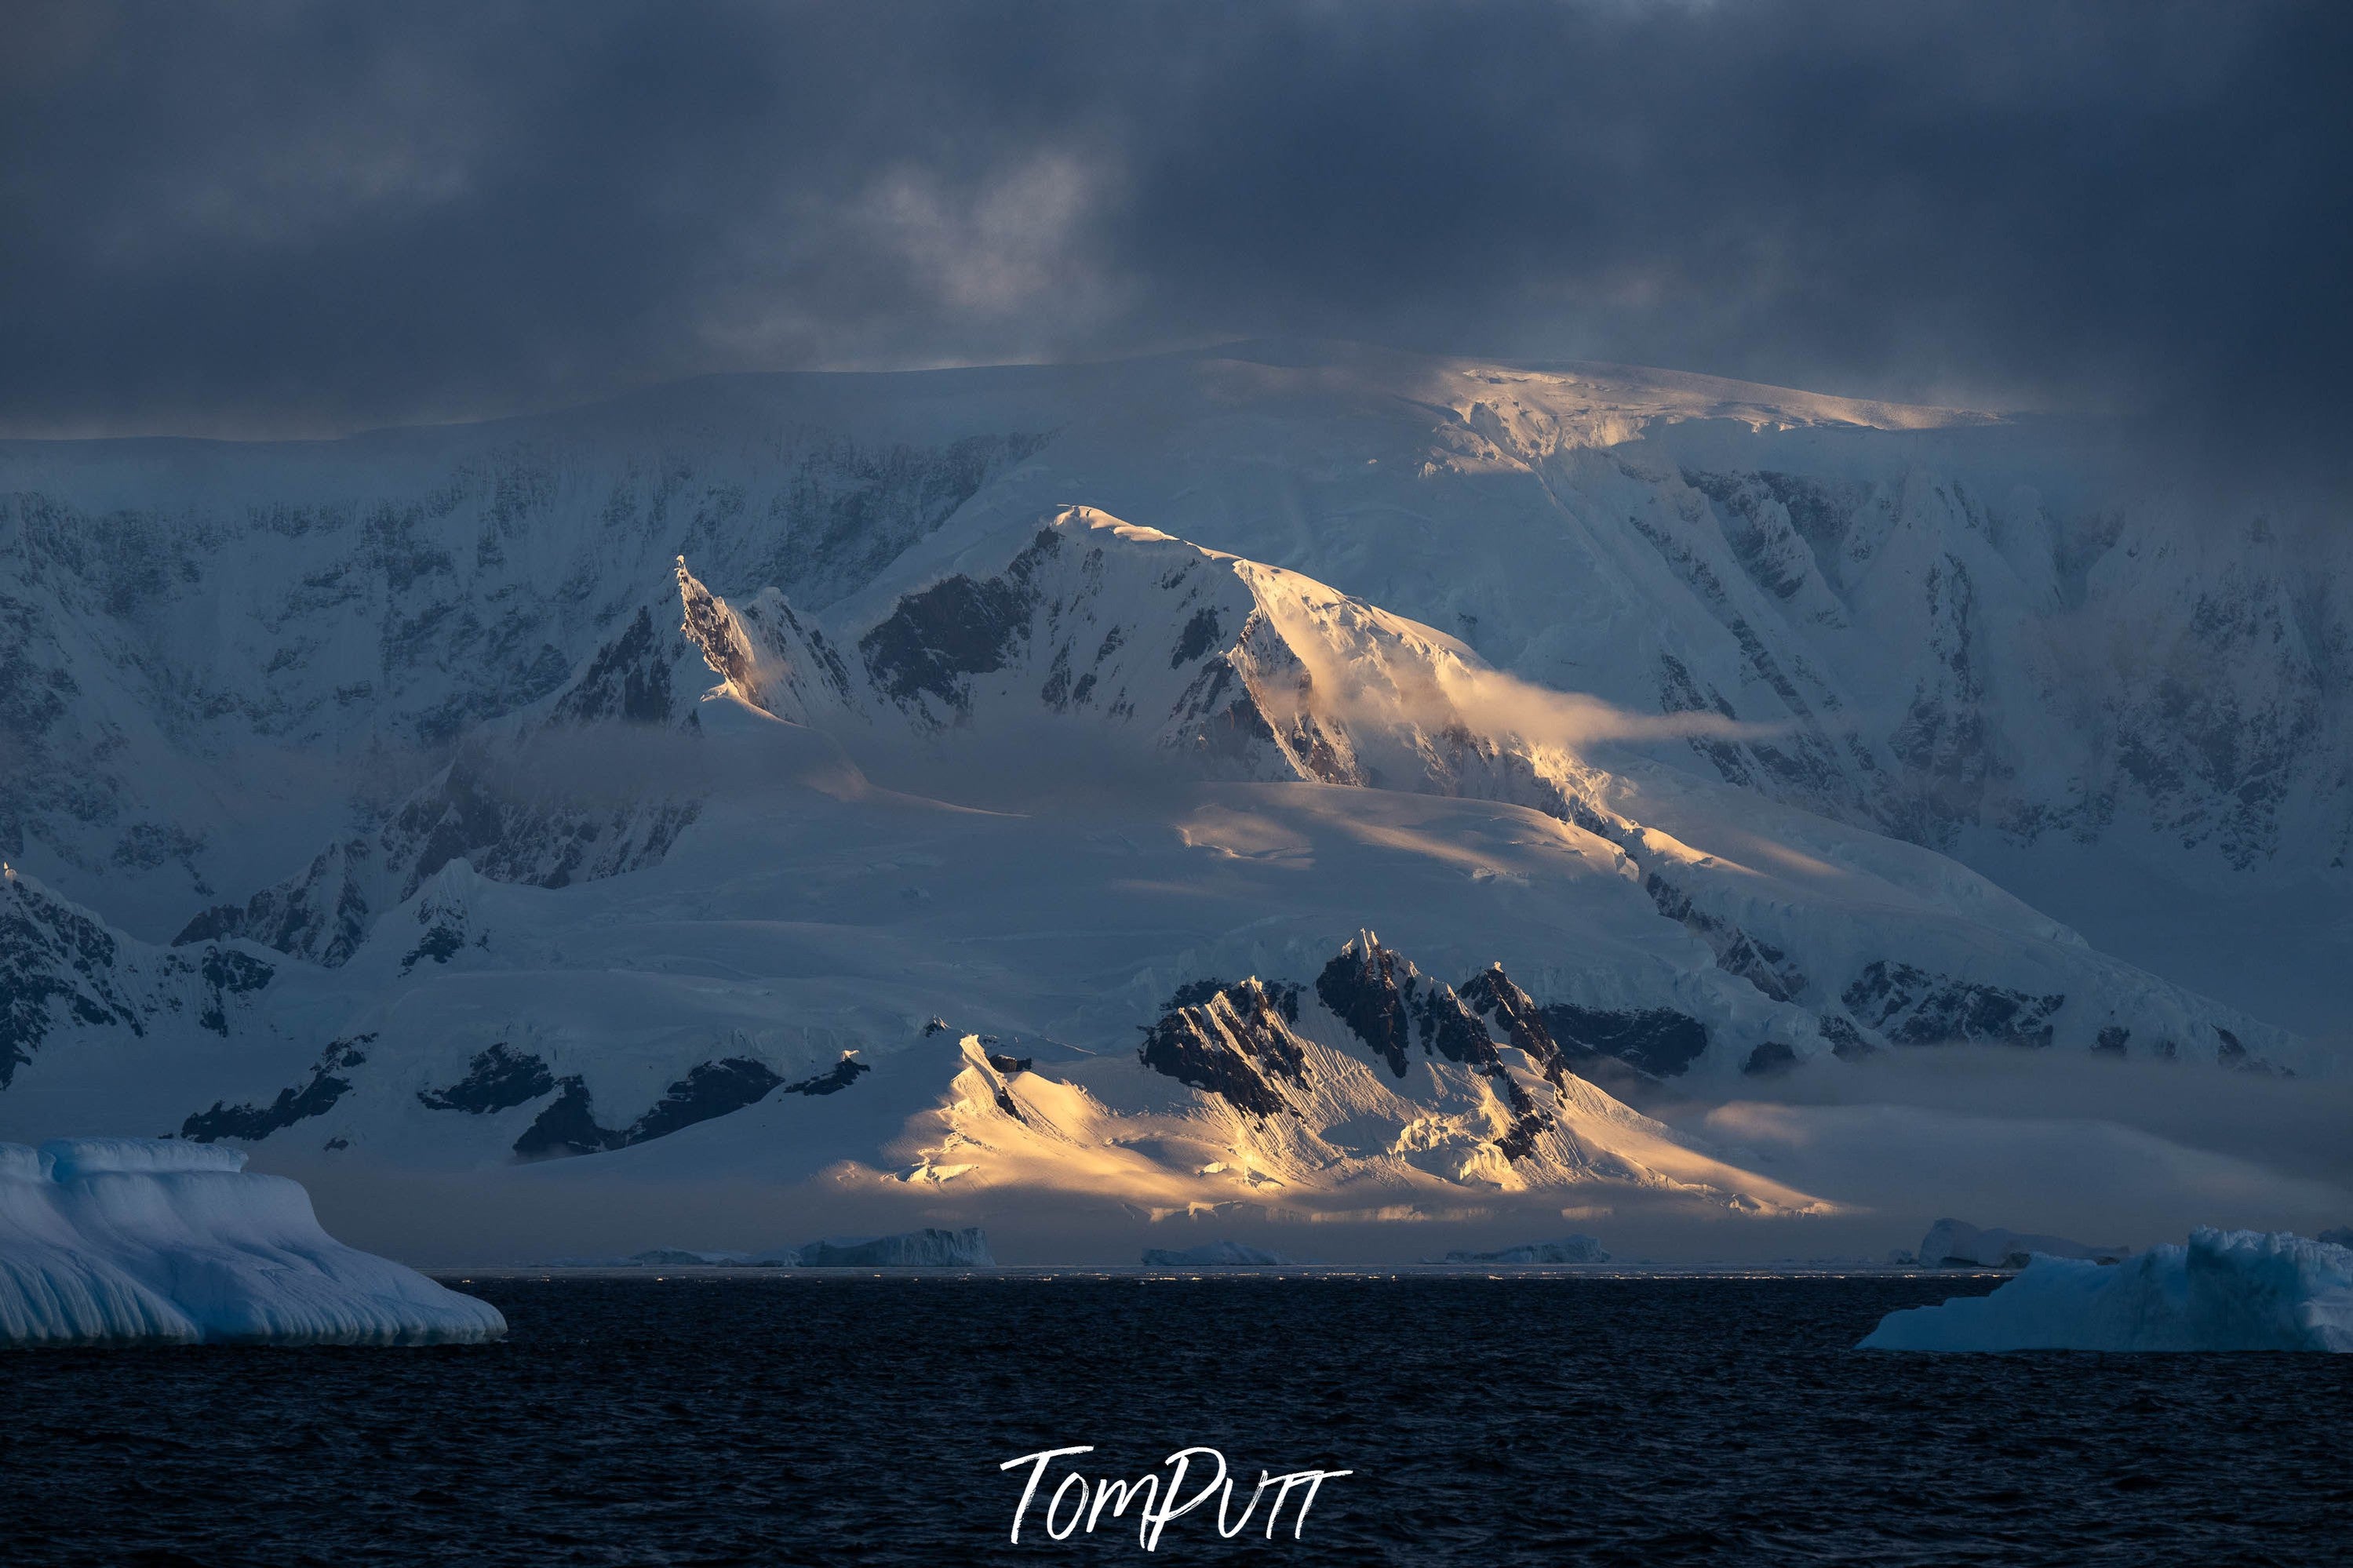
point(714, 1089)
point(497, 1080)
point(508, 834)
point(1762, 513)
point(1199, 635)
point(933, 641)
point(848, 510)
point(2231, 1052)
point(51, 953)
point(1678, 692)
point(437, 944)
point(1008, 1065)
point(569, 1126)
point(951, 629)
point(2112, 1039)
point(1769, 1059)
point(1944, 741)
point(839, 1077)
point(1808, 764)
point(1910, 1006)
point(1236, 1044)
point(1655, 1040)
point(629, 680)
point(1392, 1007)
point(322, 914)
point(228, 972)
point(316, 1096)
point(58, 962)
point(478, 810)
point(1758, 962)
point(482, 580)
point(507, 809)
point(1365, 986)
point(1846, 1041)
point(1228, 727)
point(1193, 993)
point(1491, 994)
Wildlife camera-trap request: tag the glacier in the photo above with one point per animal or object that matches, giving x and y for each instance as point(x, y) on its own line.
point(1407, 789)
point(2226, 1290)
point(1976, 634)
point(1106, 753)
point(152, 1240)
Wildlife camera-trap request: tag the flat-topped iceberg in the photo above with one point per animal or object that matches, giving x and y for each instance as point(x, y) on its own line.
point(926, 1248)
point(2227, 1290)
point(1954, 1244)
point(119, 1238)
point(1568, 1249)
point(1212, 1255)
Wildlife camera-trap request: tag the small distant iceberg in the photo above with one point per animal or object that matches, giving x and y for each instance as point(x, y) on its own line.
point(160, 1241)
point(927, 1248)
point(1951, 1244)
point(1568, 1249)
point(1212, 1255)
point(2227, 1290)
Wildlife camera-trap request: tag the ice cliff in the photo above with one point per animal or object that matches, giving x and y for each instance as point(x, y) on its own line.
point(2227, 1290)
point(107, 1239)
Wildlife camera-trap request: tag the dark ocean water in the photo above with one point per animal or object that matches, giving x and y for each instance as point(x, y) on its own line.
point(792, 1419)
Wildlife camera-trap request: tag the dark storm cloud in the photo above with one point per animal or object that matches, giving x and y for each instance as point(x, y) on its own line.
point(289, 218)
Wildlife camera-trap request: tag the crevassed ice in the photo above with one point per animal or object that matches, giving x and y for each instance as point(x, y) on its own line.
point(2226, 1290)
point(115, 1238)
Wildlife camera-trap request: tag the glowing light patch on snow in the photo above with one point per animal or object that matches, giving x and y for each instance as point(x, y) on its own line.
point(2227, 1290)
point(122, 1238)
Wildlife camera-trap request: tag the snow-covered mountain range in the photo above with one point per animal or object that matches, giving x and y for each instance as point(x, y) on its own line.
point(991, 783)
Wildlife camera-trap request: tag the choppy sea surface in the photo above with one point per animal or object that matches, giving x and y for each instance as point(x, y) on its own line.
point(799, 1419)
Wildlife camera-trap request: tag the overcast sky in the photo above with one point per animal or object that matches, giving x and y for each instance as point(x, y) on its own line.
point(288, 218)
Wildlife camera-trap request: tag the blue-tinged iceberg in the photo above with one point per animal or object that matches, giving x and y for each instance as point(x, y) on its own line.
point(1568, 1249)
point(120, 1239)
point(927, 1248)
point(1954, 1244)
point(1212, 1255)
point(2227, 1290)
